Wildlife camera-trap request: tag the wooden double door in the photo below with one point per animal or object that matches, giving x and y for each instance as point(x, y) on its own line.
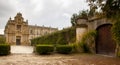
point(104, 42)
point(18, 40)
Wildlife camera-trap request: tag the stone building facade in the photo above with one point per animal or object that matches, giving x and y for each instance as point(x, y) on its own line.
point(18, 32)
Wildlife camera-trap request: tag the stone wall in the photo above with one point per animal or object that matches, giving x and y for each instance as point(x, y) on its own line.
point(84, 25)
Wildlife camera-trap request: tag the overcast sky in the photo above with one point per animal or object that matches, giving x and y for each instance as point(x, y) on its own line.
point(54, 13)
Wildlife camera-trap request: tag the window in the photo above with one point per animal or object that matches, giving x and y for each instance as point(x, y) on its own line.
point(18, 27)
point(46, 32)
point(31, 31)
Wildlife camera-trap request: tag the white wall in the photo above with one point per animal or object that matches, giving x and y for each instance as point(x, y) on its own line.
point(80, 32)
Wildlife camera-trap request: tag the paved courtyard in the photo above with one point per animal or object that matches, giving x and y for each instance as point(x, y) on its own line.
point(22, 49)
point(28, 58)
point(58, 59)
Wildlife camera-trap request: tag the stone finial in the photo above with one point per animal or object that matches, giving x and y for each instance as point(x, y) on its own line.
point(19, 14)
point(10, 18)
point(26, 20)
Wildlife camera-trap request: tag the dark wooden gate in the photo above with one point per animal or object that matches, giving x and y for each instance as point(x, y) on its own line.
point(18, 40)
point(104, 42)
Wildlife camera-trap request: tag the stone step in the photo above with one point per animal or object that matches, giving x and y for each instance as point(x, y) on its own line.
point(18, 49)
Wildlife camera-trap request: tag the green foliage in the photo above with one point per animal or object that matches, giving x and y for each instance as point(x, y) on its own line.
point(109, 8)
point(2, 40)
point(95, 4)
point(84, 47)
point(64, 49)
point(118, 54)
point(62, 37)
point(84, 14)
point(81, 14)
point(47, 39)
point(87, 43)
point(116, 31)
point(89, 35)
point(73, 19)
point(44, 49)
point(116, 35)
point(4, 49)
point(75, 47)
point(112, 9)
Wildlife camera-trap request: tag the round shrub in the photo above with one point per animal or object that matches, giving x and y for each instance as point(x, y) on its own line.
point(4, 49)
point(64, 49)
point(44, 49)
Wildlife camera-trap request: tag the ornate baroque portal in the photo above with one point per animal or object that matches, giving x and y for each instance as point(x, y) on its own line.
point(18, 32)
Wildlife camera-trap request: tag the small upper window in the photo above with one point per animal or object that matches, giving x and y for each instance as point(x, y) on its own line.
point(31, 31)
point(18, 27)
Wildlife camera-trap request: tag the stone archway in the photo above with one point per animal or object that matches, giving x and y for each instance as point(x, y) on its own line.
point(104, 42)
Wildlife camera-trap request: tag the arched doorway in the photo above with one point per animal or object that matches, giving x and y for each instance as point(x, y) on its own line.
point(18, 40)
point(104, 42)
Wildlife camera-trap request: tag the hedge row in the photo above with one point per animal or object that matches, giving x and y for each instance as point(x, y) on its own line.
point(47, 49)
point(62, 37)
point(44, 49)
point(4, 49)
point(64, 49)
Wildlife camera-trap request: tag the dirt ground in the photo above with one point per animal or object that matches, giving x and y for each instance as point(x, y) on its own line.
point(58, 59)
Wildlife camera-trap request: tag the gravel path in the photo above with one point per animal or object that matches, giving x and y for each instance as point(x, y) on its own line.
point(58, 59)
point(23, 55)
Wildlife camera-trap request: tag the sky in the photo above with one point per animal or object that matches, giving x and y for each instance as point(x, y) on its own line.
point(50, 13)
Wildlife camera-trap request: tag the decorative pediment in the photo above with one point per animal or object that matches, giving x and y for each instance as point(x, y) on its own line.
point(19, 18)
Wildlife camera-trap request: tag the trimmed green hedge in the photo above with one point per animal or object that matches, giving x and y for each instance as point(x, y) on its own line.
point(4, 49)
point(64, 49)
point(61, 37)
point(44, 49)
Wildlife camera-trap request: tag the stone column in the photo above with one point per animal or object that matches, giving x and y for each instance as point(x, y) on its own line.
point(81, 28)
point(80, 32)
